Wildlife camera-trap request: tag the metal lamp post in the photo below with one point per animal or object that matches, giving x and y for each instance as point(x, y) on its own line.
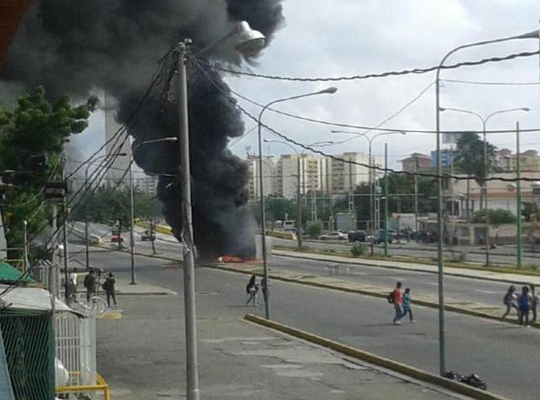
point(132, 201)
point(371, 174)
point(442, 338)
point(330, 90)
point(86, 233)
point(484, 193)
point(248, 43)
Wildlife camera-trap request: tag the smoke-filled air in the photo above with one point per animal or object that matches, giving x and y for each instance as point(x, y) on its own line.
point(76, 47)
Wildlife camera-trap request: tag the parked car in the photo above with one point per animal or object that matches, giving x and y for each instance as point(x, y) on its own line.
point(333, 236)
point(381, 235)
point(357, 236)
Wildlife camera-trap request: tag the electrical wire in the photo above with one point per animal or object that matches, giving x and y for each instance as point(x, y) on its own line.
point(320, 152)
point(415, 71)
point(492, 83)
point(364, 127)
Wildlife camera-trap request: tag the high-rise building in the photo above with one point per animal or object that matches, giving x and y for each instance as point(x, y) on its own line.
point(416, 162)
point(345, 174)
point(147, 184)
point(268, 174)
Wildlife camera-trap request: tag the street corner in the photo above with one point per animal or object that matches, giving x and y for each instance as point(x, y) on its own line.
point(110, 314)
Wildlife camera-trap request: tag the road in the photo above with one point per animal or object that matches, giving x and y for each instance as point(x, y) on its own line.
point(504, 355)
point(501, 255)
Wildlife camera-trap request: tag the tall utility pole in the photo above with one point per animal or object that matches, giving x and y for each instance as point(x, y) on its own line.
point(416, 196)
point(386, 199)
point(64, 232)
point(25, 249)
point(132, 221)
point(192, 373)
point(87, 247)
point(518, 201)
point(299, 205)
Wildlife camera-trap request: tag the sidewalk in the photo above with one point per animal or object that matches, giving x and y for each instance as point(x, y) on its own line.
point(142, 357)
point(410, 266)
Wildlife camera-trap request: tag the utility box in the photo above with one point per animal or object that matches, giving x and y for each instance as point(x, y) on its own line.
point(345, 222)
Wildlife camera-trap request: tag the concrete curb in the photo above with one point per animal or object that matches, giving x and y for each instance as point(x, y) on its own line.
point(377, 360)
point(424, 303)
point(359, 262)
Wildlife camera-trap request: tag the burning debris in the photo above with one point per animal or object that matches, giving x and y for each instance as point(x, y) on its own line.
point(75, 47)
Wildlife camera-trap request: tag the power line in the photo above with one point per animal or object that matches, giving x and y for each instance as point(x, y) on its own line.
point(492, 83)
point(320, 152)
point(415, 71)
point(364, 127)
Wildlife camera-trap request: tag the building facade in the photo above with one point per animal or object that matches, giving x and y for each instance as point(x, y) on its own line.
point(416, 162)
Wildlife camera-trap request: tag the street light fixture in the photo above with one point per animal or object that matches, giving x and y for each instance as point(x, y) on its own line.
point(132, 200)
point(192, 378)
point(484, 192)
point(442, 334)
point(371, 174)
point(329, 90)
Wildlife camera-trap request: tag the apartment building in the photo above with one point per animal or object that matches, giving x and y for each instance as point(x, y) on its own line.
point(416, 162)
point(268, 177)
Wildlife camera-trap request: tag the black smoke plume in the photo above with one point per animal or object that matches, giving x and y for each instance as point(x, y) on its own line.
point(77, 46)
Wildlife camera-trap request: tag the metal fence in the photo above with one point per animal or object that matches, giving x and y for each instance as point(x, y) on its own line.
point(76, 349)
point(29, 346)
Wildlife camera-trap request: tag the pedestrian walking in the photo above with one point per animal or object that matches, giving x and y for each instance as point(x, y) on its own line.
point(406, 306)
point(252, 288)
point(509, 301)
point(524, 303)
point(90, 285)
point(109, 288)
point(397, 299)
point(534, 302)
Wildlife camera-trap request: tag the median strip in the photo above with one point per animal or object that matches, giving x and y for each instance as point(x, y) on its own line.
point(376, 360)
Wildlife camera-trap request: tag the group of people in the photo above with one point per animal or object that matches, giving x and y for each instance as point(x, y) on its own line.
point(524, 303)
point(91, 282)
point(252, 289)
point(402, 303)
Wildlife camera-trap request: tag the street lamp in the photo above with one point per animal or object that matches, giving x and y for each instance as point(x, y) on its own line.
point(442, 339)
point(248, 43)
point(132, 200)
point(90, 163)
point(484, 192)
point(299, 177)
point(371, 175)
point(330, 90)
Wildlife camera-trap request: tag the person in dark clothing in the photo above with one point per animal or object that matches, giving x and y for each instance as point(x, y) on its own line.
point(108, 286)
point(90, 285)
point(252, 288)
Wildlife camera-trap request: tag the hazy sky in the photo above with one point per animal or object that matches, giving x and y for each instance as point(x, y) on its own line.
point(331, 38)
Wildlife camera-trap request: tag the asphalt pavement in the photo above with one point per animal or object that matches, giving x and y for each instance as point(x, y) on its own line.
point(504, 355)
point(143, 354)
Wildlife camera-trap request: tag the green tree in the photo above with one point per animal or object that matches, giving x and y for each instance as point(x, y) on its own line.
point(32, 138)
point(314, 229)
point(107, 205)
point(469, 156)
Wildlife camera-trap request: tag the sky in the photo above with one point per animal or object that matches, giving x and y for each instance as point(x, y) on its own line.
point(334, 38)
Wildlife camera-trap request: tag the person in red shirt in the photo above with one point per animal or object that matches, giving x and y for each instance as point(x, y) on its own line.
point(397, 295)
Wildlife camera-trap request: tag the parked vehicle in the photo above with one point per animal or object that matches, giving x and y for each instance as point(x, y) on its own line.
point(357, 236)
point(333, 236)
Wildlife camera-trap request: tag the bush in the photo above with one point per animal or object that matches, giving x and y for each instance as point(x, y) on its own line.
point(314, 229)
point(358, 249)
point(496, 217)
